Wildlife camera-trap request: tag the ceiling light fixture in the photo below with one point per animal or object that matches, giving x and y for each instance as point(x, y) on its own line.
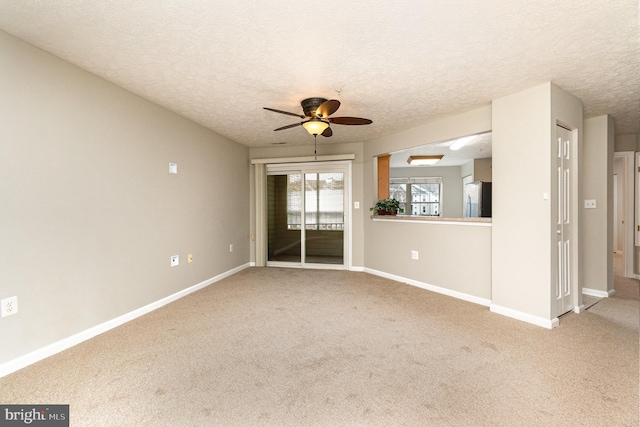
point(315, 126)
point(424, 160)
point(460, 142)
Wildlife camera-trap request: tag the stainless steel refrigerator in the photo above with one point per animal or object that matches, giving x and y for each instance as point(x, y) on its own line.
point(477, 200)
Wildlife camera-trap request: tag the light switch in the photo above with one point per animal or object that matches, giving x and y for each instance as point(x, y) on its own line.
point(173, 168)
point(356, 205)
point(589, 204)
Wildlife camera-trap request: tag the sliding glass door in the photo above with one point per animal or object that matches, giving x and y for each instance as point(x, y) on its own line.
point(306, 218)
point(324, 218)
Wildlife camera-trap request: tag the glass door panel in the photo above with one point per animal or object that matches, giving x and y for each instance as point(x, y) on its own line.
point(324, 218)
point(284, 222)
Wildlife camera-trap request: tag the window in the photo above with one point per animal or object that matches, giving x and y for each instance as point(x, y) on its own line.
point(417, 196)
point(324, 193)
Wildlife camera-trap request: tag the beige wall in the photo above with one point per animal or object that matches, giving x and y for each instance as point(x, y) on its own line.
point(627, 143)
point(455, 257)
point(597, 184)
point(442, 248)
point(451, 197)
point(90, 215)
point(522, 246)
point(482, 170)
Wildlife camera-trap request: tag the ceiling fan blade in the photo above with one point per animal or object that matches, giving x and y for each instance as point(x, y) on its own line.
point(284, 112)
point(327, 108)
point(288, 126)
point(349, 121)
point(327, 132)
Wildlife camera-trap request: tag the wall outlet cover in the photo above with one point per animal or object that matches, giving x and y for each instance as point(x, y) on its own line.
point(9, 306)
point(175, 260)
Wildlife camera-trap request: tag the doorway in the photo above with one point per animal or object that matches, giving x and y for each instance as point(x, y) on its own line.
point(623, 225)
point(307, 219)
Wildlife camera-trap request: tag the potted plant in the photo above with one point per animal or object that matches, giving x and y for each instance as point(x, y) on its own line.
point(388, 206)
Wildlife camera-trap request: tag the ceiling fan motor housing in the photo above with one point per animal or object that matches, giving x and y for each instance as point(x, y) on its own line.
point(310, 105)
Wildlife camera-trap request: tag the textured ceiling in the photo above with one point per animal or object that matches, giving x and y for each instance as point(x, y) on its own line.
point(479, 147)
point(400, 63)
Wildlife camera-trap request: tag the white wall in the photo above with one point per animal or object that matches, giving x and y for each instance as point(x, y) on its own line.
point(90, 215)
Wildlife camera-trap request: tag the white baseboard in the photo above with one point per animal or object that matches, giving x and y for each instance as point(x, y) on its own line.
point(438, 289)
point(597, 293)
point(66, 343)
point(357, 269)
point(579, 309)
point(525, 317)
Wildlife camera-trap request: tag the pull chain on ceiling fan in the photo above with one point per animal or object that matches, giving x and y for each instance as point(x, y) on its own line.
point(316, 113)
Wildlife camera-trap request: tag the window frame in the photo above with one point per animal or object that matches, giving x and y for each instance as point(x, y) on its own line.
point(408, 203)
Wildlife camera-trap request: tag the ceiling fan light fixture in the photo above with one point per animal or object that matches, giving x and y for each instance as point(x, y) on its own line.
point(315, 126)
point(424, 160)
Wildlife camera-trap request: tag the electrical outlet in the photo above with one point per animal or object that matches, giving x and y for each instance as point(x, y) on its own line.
point(414, 255)
point(190, 258)
point(175, 260)
point(231, 247)
point(9, 306)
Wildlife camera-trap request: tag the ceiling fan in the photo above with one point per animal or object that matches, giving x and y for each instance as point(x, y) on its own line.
point(316, 113)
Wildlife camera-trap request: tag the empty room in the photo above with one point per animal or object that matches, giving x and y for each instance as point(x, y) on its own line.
point(346, 213)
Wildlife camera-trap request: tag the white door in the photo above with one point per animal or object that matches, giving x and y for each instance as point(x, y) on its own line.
point(563, 151)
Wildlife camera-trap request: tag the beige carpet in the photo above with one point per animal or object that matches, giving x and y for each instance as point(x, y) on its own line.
point(288, 347)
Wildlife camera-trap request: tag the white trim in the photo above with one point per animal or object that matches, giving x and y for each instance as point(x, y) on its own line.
point(579, 309)
point(358, 269)
point(305, 159)
point(597, 293)
point(525, 317)
point(66, 343)
point(628, 214)
point(389, 218)
point(459, 295)
point(304, 167)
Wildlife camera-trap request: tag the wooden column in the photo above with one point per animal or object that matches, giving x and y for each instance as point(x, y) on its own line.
point(383, 176)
